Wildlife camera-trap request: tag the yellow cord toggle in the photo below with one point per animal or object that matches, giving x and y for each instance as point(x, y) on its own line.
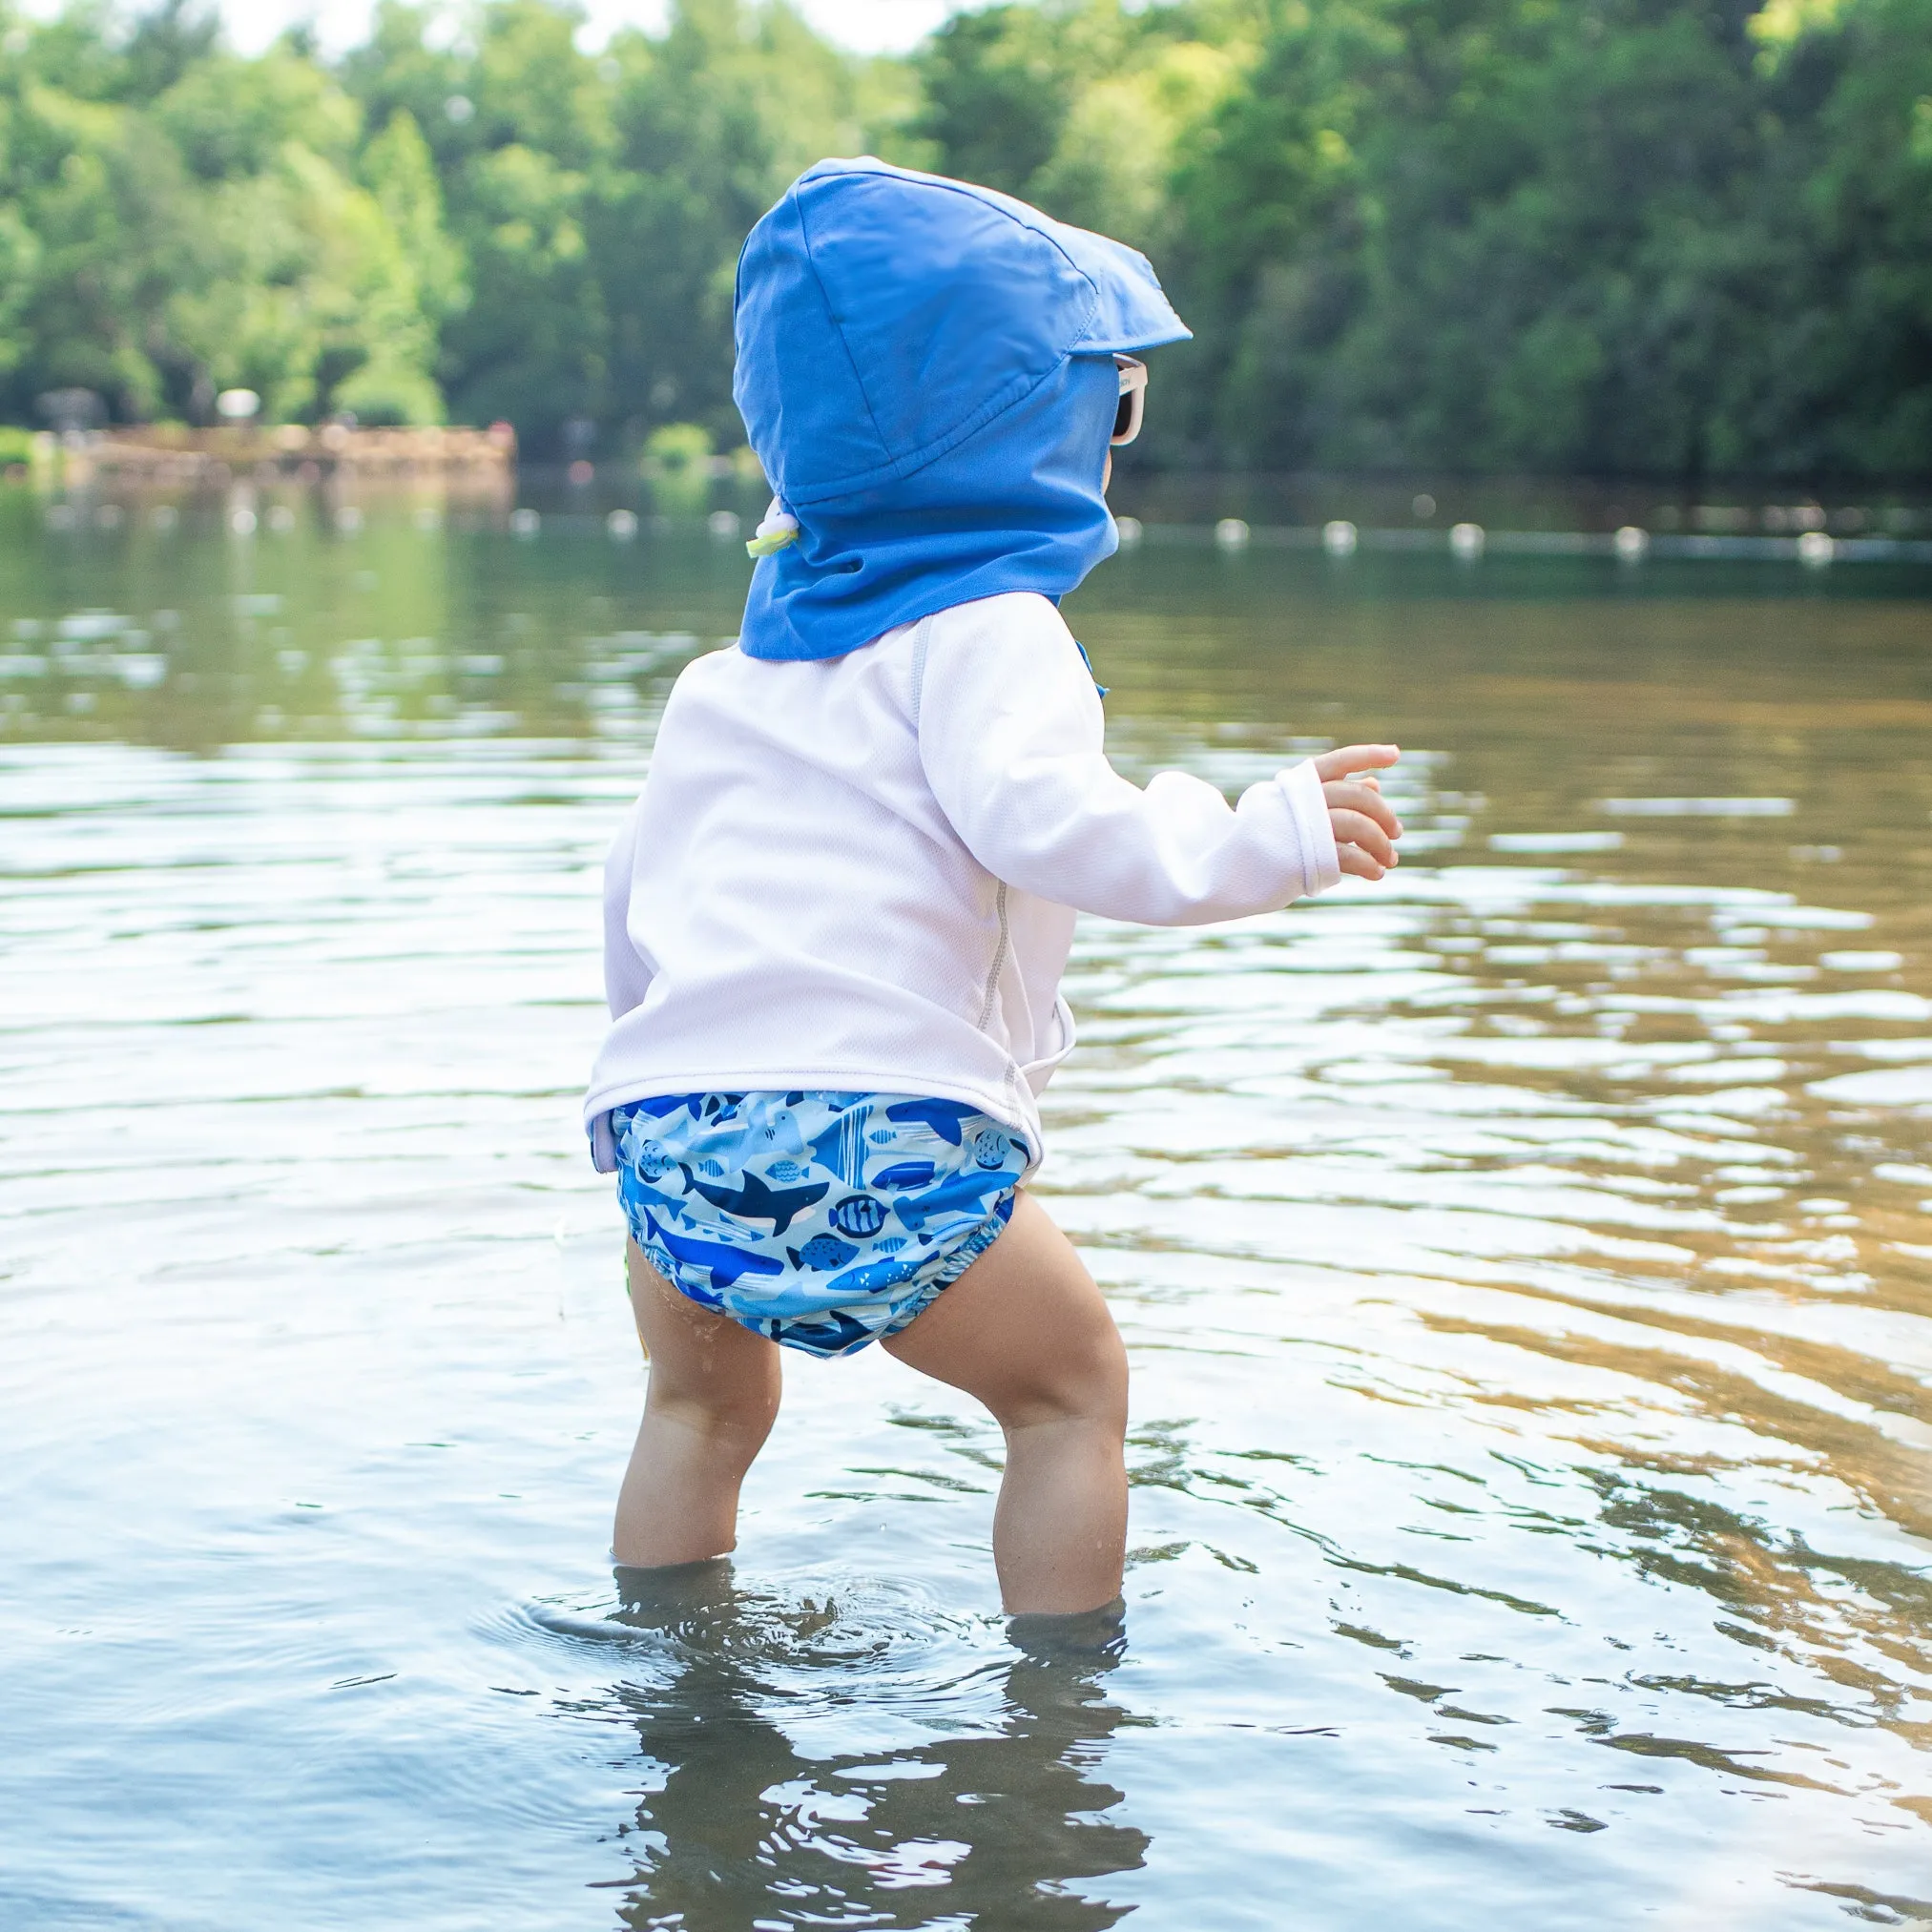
point(779, 528)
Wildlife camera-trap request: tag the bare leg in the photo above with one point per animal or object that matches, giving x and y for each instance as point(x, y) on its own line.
point(1025, 1331)
point(712, 1397)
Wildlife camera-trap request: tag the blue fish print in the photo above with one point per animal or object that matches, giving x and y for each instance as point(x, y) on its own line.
point(755, 1201)
point(904, 1173)
point(858, 1215)
point(871, 1277)
point(665, 1105)
point(943, 1116)
point(956, 1192)
point(832, 1333)
point(780, 1132)
point(824, 1251)
point(652, 1162)
point(727, 1265)
point(991, 1146)
point(841, 1145)
point(714, 1185)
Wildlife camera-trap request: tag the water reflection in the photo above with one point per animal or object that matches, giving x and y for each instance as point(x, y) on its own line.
point(740, 1824)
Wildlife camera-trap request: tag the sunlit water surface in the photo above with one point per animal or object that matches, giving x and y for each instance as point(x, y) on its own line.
point(1527, 1264)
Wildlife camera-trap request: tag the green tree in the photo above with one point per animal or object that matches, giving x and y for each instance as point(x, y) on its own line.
point(712, 121)
point(196, 223)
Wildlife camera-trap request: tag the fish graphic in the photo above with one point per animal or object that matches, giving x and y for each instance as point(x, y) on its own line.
point(943, 1116)
point(957, 1192)
point(780, 1132)
point(822, 1251)
point(859, 1216)
point(755, 1201)
point(726, 1264)
point(832, 1333)
point(990, 1147)
point(890, 1244)
point(652, 1160)
point(664, 1105)
point(784, 1171)
point(906, 1174)
point(841, 1145)
point(871, 1277)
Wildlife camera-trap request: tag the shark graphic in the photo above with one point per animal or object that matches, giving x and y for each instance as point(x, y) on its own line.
point(943, 1116)
point(726, 1264)
point(968, 1190)
point(758, 1201)
point(832, 1333)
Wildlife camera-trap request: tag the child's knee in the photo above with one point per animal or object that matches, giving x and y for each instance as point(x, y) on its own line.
point(741, 1412)
point(1087, 1383)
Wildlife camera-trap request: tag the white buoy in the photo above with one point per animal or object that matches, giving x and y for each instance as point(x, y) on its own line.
point(525, 523)
point(1131, 531)
point(427, 520)
point(622, 525)
point(1466, 540)
point(242, 522)
point(1231, 533)
point(1814, 548)
point(1631, 544)
point(238, 406)
point(282, 519)
point(348, 519)
point(723, 525)
point(1340, 538)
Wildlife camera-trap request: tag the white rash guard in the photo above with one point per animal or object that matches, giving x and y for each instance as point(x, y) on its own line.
point(860, 873)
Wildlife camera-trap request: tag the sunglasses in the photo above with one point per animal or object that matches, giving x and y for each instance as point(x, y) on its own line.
point(1133, 399)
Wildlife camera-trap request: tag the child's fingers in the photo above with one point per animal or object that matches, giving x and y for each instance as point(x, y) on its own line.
point(1356, 758)
point(1357, 828)
point(1353, 858)
point(1360, 795)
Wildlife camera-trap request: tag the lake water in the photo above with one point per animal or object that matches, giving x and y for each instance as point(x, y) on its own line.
point(1526, 1266)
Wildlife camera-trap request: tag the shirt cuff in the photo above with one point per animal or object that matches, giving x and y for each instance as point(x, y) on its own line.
point(1308, 808)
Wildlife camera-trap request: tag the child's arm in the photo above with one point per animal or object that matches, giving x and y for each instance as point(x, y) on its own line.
point(626, 974)
point(1011, 736)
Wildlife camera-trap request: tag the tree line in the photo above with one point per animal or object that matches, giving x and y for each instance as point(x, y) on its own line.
point(1670, 237)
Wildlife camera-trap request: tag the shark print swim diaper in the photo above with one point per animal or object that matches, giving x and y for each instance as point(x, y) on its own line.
point(822, 1220)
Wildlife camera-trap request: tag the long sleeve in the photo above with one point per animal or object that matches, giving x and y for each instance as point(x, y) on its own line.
point(626, 974)
point(1011, 739)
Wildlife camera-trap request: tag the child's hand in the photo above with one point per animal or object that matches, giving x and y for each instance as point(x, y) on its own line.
point(1365, 825)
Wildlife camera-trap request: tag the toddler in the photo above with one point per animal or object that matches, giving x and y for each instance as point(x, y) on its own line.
point(837, 918)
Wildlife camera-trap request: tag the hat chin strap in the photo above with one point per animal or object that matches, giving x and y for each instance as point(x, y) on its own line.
point(778, 529)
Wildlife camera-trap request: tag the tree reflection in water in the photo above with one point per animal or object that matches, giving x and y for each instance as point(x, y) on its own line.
point(740, 1828)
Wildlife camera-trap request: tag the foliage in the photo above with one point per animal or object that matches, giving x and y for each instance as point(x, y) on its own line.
point(1672, 237)
point(677, 467)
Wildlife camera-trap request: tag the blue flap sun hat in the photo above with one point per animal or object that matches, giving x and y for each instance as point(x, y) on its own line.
point(925, 372)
